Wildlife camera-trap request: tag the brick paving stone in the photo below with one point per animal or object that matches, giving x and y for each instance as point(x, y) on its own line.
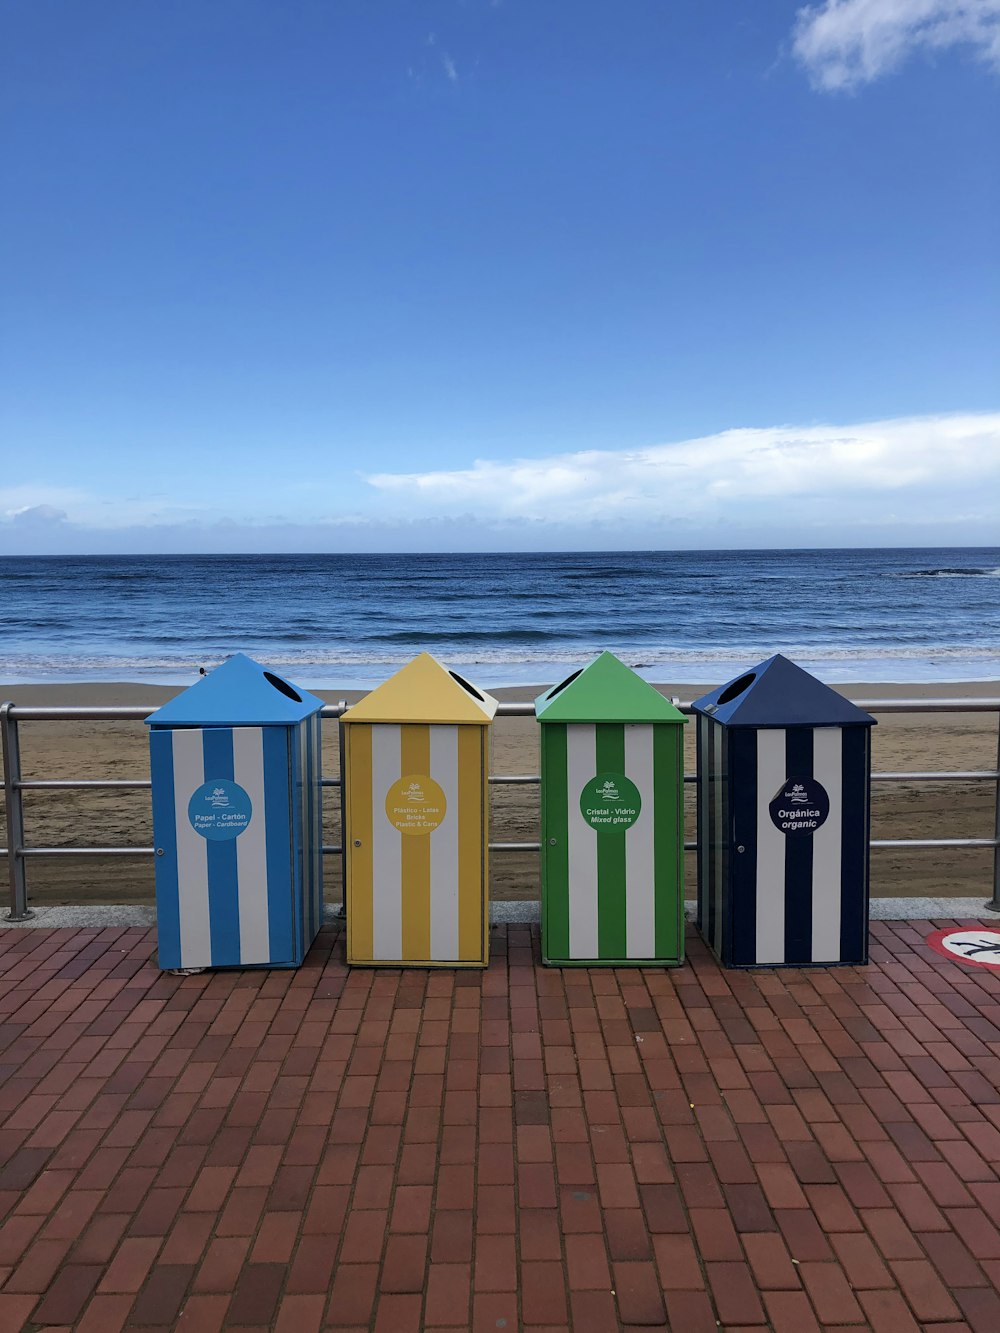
point(592, 1312)
point(637, 1293)
point(448, 1294)
point(587, 1263)
point(160, 1301)
point(333, 1150)
point(543, 1293)
point(790, 1312)
point(68, 1294)
point(691, 1311)
point(626, 1233)
point(771, 1263)
point(734, 1293)
point(830, 1293)
point(887, 1312)
point(980, 1307)
point(404, 1264)
point(496, 1264)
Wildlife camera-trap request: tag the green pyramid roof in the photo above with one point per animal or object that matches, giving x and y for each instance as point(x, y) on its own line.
point(605, 691)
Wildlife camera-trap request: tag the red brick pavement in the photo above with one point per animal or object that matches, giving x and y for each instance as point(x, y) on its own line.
point(525, 1148)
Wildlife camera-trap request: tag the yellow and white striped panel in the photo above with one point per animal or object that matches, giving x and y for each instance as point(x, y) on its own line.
point(416, 844)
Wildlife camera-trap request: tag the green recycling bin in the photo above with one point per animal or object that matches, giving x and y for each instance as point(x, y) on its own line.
point(612, 821)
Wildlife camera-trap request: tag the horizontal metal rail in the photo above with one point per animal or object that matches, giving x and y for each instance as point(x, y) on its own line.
point(495, 780)
point(16, 852)
point(508, 708)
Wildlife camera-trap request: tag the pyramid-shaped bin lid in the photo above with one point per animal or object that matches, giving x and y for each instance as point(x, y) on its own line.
point(605, 691)
point(424, 691)
point(239, 693)
point(777, 693)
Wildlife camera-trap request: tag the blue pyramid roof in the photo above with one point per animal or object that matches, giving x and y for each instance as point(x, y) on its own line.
point(239, 693)
point(777, 693)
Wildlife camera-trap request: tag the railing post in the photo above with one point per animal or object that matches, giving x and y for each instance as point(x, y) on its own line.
point(993, 904)
point(342, 705)
point(13, 801)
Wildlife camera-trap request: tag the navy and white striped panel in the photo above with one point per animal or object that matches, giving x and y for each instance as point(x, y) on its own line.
point(802, 899)
point(223, 903)
point(704, 842)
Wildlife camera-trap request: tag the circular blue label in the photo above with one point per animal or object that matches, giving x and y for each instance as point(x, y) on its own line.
point(220, 810)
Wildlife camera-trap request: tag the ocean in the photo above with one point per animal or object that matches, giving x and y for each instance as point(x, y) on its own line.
point(332, 621)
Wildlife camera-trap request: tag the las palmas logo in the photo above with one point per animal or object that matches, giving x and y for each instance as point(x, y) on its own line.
point(609, 791)
point(797, 796)
point(218, 798)
point(415, 792)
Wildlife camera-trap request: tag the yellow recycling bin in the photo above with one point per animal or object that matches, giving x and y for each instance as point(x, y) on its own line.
point(416, 818)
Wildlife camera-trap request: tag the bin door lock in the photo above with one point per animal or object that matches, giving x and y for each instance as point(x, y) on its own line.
point(552, 842)
point(741, 848)
point(357, 842)
point(159, 851)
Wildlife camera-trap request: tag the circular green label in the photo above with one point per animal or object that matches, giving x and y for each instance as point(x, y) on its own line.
point(610, 801)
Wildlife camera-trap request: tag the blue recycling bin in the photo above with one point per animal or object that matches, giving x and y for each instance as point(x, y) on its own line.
point(784, 779)
point(237, 820)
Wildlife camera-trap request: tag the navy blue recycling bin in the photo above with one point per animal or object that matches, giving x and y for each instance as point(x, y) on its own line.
point(784, 778)
point(237, 820)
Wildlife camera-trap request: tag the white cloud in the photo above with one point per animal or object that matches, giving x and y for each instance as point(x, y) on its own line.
point(25, 498)
point(837, 473)
point(450, 68)
point(846, 43)
point(909, 481)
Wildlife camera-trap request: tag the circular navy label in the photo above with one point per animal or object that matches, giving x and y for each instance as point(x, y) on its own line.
point(220, 810)
point(801, 806)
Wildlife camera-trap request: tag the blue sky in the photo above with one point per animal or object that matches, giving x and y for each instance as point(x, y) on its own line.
point(447, 274)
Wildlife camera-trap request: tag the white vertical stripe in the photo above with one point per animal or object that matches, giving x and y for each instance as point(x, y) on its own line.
point(251, 847)
point(720, 849)
point(640, 899)
point(387, 852)
point(771, 775)
point(444, 846)
point(192, 850)
point(828, 766)
point(581, 767)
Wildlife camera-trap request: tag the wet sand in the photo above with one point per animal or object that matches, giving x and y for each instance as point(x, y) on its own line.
point(96, 750)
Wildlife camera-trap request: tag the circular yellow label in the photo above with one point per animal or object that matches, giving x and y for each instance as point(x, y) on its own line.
point(415, 804)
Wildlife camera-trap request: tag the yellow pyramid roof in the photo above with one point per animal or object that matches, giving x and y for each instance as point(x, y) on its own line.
point(424, 691)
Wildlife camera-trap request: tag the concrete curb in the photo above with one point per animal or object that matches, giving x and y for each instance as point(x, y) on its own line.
point(511, 913)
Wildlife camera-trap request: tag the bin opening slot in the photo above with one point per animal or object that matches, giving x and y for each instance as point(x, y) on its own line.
point(282, 685)
point(736, 688)
point(563, 683)
point(470, 689)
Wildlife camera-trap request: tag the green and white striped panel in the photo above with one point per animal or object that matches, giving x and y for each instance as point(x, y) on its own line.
point(612, 873)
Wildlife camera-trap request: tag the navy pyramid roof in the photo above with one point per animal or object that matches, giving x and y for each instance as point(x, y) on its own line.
point(239, 693)
point(777, 693)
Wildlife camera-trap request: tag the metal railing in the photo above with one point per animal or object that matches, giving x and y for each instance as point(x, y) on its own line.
point(17, 853)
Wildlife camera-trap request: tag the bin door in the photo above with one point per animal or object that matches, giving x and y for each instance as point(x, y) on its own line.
point(223, 835)
point(416, 845)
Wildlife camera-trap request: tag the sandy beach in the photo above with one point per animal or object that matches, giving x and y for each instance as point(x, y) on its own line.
point(916, 742)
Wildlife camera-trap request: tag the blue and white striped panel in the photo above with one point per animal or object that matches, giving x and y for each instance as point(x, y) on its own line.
point(223, 902)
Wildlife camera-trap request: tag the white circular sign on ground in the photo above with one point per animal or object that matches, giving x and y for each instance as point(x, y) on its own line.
point(979, 947)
